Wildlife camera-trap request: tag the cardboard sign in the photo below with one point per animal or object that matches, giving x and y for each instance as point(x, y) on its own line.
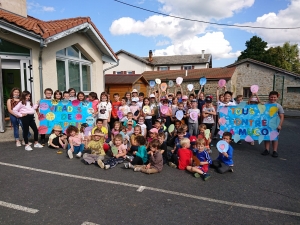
point(64, 113)
point(250, 122)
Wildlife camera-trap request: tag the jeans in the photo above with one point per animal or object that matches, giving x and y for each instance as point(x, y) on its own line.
point(28, 121)
point(15, 122)
point(77, 149)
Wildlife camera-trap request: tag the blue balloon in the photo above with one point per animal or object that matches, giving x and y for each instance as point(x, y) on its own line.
point(222, 146)
point(202, 81)
point(152, 83)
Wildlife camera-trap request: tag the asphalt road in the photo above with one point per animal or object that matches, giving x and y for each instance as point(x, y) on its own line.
point(261, 190)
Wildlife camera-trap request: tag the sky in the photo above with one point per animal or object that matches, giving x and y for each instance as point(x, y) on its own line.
point(138, 31)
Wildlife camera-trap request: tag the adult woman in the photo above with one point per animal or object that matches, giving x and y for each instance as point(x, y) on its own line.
point(13, 100)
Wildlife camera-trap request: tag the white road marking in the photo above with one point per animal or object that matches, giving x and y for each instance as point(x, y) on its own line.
point(158, 190)
point(89, 223)
point(141, 188)
point(18, 207)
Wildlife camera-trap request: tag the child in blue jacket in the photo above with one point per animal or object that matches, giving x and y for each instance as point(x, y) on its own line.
point(140, 156)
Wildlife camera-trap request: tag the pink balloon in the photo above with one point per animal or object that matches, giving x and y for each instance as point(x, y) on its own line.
point(194, 115)
point(249, 139)
point(222, 83)
point(254, 88)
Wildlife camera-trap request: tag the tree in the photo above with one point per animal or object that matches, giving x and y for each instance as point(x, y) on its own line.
point(255, 49)
point(291, 57)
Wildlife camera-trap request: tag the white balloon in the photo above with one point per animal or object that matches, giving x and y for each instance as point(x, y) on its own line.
point(158, 81)
point(179, 80)
point(190, 87)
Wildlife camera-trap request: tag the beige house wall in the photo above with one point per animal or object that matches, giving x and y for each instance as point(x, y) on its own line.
point(15, 6)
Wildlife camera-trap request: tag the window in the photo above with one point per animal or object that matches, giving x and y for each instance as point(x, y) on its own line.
point(163, 68)
point(293, 89)
point(246, 92)
point(73, 70)
point(187, 67)
point(129, 72)
point(119, 72)
point(9, 48)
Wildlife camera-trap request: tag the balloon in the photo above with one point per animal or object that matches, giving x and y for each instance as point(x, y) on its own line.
point(273, 135)
point(171, 83)
point(87, 130)
point(114, 150)
point(152, 83)
point(163, 86)
point(273, 110)
point(224, 110)
point(194, 115)
point(207, 133)
point(261, 138)
point(222, 83)
point(146, 109)
point(202, 81)
point(179, 114)
point(120, 114)
point(248, 138)
point(190, 87)
point(158, 81)
point(222, 120)
point(254, 88)
point(164, 109)
point(222, 146)
point(236, 138)
point(261, 108)
point(171, 128)
point(179, 80)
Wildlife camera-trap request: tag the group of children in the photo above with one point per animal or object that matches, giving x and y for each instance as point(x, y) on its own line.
point(137, 130)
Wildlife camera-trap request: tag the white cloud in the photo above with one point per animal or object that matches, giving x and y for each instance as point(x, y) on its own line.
point(36, 7)
point(213, 43)
point(183, 34)
point(162, 42)
point(288, 17)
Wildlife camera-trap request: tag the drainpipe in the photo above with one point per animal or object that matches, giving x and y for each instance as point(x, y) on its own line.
point(42, 45)
point(106, 70)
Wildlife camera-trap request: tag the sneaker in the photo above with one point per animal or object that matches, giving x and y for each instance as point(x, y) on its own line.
point(18, 144)
point(137, 169)
point(38, 145)
point(197, 175)
point(79, 154)
point(239, 142)
point(172, 165)
point(59, 151)
point(28, 148)
point(70, 154)
point(211, 145)
point(23, 143)
point(100, 163)
point(231, 169)
point(106, 167)
point(126, 165)
point(205, 176)
point(275, 154)
point(252, 143)
point(265, 152)
point(130, 166)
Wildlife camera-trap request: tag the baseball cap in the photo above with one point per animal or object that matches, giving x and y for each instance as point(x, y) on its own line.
point(184, 97)
point(193, 139)
point(208, 99)
point(152, 96)
point(154, 130)
point(194, 100)
point(134, 90)
point(135, 99)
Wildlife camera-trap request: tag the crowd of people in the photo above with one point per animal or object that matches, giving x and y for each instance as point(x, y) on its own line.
point(139, 130)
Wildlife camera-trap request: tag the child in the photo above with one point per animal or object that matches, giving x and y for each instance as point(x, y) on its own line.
point(174, 108)
point(173, 156)
point(129, 128)
point(116, 129)
point(57, 95)
point(202, 128)
point(72, 93)
point(147, 114)
point(208, 112)
point(96, 147)
point(166, 115)
point(25, 111)
point(238, 99)
point(155, 164)
point(141, 100)
point(80, 96)
point(153, 133)
point(185, 129)
point(134, 95)
point(185, 155)
point(140, 156)
point(75, 142)
point(124, 109)
point(163, 147)
point(99, 125)
point(117, 158)
point(224, 162)
point(154, 106)
point(219, 102)
point(273, 96)
point(135, 109)
point(204, 159)
point(193, 122)
point(104, 110)
point(134, 144)
point(93, 98)
point(141, 123)
point(66, 96)
point(115, 107)
point(173, 134)
point(57, 139)
point(129, 118)
point(180, 108)
point(128, 97)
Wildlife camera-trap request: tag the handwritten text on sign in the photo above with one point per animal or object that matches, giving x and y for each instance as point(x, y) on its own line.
point(250, 122)
point(64, 113)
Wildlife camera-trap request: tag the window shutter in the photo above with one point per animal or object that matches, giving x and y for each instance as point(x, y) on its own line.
point(181, 67)
point(158, 68)
point(193, 67)
point(168, 68)
point(114, 72)
point(133, 72)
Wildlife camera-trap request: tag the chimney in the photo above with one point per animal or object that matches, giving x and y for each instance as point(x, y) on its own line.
point(202, 57)
point(150, 56)
point(15, 6)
